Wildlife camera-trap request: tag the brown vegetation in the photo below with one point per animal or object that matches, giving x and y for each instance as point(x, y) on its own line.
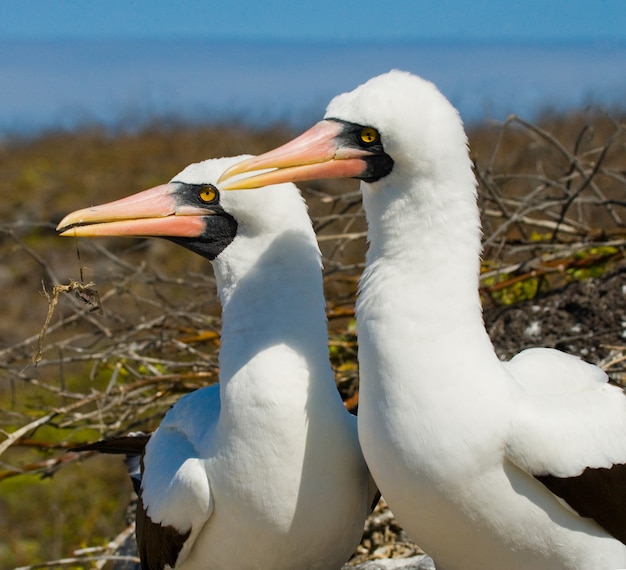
point(135, 323)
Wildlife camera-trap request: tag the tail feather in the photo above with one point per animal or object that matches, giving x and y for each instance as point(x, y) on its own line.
point(132, 446)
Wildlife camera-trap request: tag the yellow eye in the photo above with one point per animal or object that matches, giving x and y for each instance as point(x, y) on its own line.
point(369, 135)
point(208, 193)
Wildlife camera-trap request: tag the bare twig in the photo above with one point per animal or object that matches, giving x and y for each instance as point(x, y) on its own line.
point(553, 206)
point(84, 291)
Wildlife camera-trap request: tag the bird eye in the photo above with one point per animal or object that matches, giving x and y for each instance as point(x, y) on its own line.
point(207, 193)
point(369, 135)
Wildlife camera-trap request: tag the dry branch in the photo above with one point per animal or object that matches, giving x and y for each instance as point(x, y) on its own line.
point(84, 291)
point(551, 208)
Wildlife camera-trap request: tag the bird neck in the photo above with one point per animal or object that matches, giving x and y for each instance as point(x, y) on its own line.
point(273, 307)
point(420, 286)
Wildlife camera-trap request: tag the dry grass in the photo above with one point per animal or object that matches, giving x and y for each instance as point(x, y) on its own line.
point(132, 325)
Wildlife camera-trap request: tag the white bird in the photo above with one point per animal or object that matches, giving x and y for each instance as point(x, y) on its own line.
point(263, 470)
point(487, 464)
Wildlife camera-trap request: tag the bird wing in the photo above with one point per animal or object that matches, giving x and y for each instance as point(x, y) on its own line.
point(176, 499)
point(569, 432)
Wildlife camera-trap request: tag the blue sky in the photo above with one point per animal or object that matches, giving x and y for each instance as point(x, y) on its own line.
point(343, 20)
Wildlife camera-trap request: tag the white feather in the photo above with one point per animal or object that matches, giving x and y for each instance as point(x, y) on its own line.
point(264, 469)
point(451, 434)
point(571, 418)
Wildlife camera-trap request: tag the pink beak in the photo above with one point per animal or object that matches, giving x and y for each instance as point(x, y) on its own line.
point(153, 212)
point(314, 154)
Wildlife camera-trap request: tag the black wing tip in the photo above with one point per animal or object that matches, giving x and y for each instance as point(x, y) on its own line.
point(159, 545)
point(598, 493)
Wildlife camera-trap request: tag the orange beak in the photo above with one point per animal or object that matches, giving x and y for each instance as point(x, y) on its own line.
point(317, 153)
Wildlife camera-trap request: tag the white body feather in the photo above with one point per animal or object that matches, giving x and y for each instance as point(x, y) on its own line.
point(451, 434)
point(265, 469)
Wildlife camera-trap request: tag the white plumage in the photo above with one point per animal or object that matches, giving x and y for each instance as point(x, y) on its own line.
point(469, 452)
point(263, 470)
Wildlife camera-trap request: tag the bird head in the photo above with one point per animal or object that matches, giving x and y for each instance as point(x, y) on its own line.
point(193, 211)
point(394, 125)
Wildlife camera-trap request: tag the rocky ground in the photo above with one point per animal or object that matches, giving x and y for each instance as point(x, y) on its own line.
point(586, 318)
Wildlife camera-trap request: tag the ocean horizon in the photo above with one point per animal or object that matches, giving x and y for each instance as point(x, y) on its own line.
point(52, 84)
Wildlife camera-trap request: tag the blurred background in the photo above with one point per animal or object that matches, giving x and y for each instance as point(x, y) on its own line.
point(99, 100)
point(120, 63)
